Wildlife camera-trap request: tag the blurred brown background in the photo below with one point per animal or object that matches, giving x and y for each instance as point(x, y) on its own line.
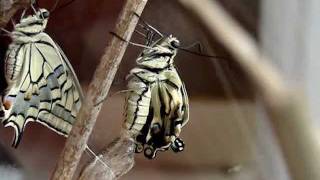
point(221, 133)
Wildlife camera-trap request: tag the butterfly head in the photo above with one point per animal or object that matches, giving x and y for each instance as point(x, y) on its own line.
point(160, 54)
point(169, 42)
point(33, 24)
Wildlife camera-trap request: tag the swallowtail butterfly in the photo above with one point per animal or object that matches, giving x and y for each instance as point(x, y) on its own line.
point(42, 86)
point(157, 104)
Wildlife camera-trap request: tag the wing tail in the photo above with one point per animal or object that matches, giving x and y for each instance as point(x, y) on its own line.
point(17, 123)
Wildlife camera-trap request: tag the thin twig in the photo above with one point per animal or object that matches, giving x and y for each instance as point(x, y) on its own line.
point(98, 90)
point(9, 8)
point(286, 108)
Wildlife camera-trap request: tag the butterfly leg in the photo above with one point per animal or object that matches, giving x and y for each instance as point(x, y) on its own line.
point(147, 26)
point(7, 33)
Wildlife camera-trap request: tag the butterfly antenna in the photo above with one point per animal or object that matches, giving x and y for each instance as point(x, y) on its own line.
point(13, 22)
point(6, 31)
point(201, 54)
point(129, 42)
point(200, 49)
point(54, 9)
point(33, 8)
point(23, 13)
point(147, 24)
point(54, 6)
point(148, 37)
point(195, 44)
point(140, 33)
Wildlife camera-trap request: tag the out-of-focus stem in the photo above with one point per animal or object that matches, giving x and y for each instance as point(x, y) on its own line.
point(9, 8)
point(287, 109)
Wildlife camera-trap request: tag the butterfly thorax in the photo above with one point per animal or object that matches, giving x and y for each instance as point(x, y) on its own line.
point(160, 55)
point(151, 77)
point(29, 28)
point(21, 38)
point(15, 54)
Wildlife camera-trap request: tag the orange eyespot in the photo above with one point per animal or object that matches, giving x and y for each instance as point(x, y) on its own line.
point(7, 105)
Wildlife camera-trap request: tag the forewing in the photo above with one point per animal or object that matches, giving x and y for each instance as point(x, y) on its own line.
point(171, 112)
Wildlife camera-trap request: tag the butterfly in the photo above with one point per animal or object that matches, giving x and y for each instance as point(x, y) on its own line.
point(42, 86)
point(157, 105)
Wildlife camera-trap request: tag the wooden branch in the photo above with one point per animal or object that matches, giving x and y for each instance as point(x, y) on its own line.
point(8, 9)
point(286, 108)
point(98, 90)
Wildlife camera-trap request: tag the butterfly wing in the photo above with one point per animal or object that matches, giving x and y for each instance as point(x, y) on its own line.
point(171, 113)
point(185, 105)
point(73, 74)
point(157, 109)
point(45, 90)
point(63, 112)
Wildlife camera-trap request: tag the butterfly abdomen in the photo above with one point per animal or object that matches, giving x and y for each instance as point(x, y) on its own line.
point(14, 61)
point(137, 104)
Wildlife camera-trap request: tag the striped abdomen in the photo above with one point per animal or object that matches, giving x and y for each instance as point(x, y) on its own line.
point(137, 104)
point(14, 62)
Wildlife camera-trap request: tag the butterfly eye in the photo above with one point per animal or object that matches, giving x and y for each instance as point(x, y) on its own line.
point(45, 14)
point(175, 44)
